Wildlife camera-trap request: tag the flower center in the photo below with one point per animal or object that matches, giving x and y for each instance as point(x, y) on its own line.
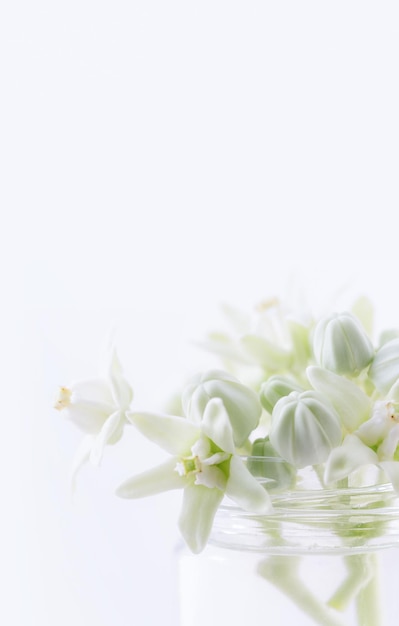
point(204, 464)
point(188, 465)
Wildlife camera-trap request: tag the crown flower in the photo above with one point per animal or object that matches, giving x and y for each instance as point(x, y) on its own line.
point(204, 464)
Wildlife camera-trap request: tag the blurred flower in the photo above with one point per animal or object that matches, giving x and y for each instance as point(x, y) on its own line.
point(98, 408)
point(268, 339)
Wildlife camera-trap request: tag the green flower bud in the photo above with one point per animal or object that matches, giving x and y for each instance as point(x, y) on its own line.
point(384, 370)
point(275, 388)
point(304, 429)
point(241, 403)
point(266, 463)
point(340, 344)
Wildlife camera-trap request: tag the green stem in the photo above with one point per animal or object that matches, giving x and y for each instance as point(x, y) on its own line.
point(360, 572)
point(369, 609)
point(282, 571)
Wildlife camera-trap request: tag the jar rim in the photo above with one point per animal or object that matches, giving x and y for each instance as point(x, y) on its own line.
point(321, 520)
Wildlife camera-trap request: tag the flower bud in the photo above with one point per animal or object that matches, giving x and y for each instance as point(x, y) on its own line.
point(384, 369)
point(242, 404)
point(340, 344)
point(275, 388)
point(304, 428)
point(264, 462)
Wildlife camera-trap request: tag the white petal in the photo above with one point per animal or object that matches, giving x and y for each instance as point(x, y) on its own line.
point(199, 508)
point(265, 353)
point(95, 389)
point(194, 401)
point(216, 425)
point(216, 458)
point(363, 309)
point(121, 390)
point(351, 455)
point(384, 369)
point(81, 457)
point(201, 448)
point(388, 447)
point(239, 320)
point(225, 347)
point(393, 393)
point(350, 402)
point(245, 490)
point(391, 468)
point(87, 415)
point(110, 428)
point(378, 426)
point(164, 477)
point(211, 476)
point(176, 435)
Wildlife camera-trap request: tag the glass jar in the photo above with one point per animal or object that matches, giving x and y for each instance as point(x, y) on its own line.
point(324, 556)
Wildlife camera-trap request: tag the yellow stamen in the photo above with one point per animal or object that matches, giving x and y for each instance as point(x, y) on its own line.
point(63, 399)
point(264, 305)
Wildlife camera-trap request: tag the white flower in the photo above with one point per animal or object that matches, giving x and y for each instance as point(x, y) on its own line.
point(98, 408)
point(382, 429)
point(375, 442)
point(268, 338)
point(204, 464)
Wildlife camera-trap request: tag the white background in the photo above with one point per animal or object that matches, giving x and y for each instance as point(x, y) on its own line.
point(157, 159)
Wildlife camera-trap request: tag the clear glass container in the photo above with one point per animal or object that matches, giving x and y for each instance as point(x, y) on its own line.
point(325, 556)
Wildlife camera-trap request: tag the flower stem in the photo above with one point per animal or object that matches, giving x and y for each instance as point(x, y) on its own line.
point(369, 609)
point(282, 571)
point(360, 572)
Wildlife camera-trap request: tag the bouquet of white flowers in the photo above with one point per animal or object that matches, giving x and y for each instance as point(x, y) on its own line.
point(322, 394)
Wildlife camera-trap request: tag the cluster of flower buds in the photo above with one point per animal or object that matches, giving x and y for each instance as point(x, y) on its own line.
point(325, 396)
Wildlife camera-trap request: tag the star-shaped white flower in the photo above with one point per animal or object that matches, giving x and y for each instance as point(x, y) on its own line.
point(375, 442)
point(97, 407)
point(204, 464)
